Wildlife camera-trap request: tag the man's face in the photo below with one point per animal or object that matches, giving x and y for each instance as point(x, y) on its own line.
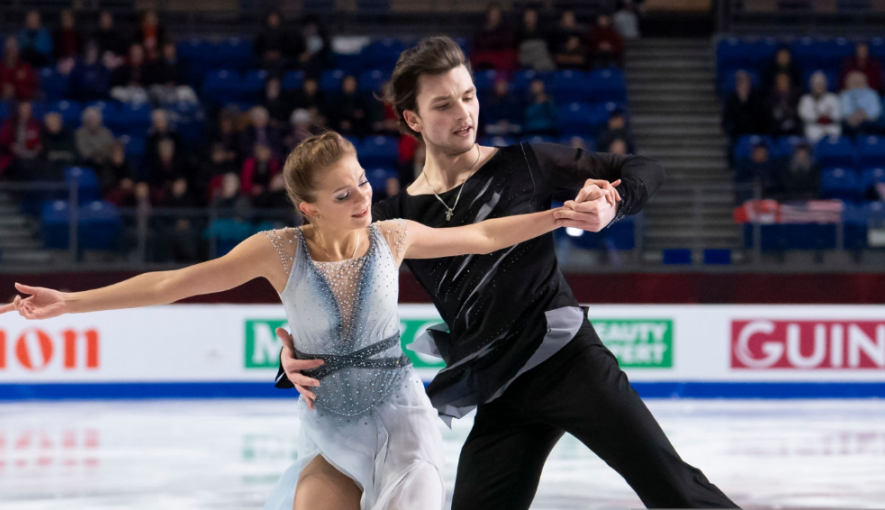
point(448, 111)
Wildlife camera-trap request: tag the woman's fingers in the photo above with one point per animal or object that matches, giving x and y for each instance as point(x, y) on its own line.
point(308, 395)
point(303, 380)
point(26, 289)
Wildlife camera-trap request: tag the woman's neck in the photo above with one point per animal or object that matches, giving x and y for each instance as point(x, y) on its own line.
point(334, 244)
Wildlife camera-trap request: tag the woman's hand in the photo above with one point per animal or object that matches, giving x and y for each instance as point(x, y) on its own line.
point(294, 366)
point(42, 303)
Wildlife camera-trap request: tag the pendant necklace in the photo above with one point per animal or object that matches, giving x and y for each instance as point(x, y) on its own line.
point(451, 210)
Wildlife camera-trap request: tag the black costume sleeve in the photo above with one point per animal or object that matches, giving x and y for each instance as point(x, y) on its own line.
point(380, 212)
point(566, 169)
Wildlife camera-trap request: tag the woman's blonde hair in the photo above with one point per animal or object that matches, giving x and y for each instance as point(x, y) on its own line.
point(306, 161)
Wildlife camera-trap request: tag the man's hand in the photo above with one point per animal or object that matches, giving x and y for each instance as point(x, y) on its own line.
point(593, 208)
point(294, 366)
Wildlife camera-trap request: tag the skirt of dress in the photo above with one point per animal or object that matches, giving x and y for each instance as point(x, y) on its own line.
point(393, 453)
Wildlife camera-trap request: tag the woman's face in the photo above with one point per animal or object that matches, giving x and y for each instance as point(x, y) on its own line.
point(343, 197)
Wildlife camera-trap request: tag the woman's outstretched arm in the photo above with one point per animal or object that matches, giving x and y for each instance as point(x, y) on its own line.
point(423, 242)
point(255, 257)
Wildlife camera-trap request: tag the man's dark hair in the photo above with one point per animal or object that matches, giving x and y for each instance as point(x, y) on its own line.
point(432, 56)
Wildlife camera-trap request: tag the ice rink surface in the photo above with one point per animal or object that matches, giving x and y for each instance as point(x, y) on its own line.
point(226, 454)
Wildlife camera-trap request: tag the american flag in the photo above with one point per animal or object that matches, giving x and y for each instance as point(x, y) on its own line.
point(811, 211)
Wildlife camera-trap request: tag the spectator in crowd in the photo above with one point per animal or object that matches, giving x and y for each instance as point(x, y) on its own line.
point(744, 113)
point(494, 43)
point(782, 63)
point(259, 131)
point(90, 79)
point(17, 78)
point(94, 141)
point(572, 55)
point(20, 143)
point(34, 41)
point(819, 110)
point(161, 129)
point(533, 50)
point(66, 41)
point(168, 78)
point(59, 149)
point(275, 196)
point(502, 113)
point(275, 46)
point(109, 39)
point(412, 155)
point(230, 200)
point(168, 167)
point(859, 104)
point(605, 44)
point(567, 28)
point(760, 168)
point(626, 20)
point(616, 129)
point(540, 114)
point(350, 113)
point(130, 80)
point(258, 171)
point(309, 96)
point(113, 171)
point(301, 127)
point(802, 176)
point(277, 102)
point(870, 66)
point(783, 108)
point(317, 46)
point(228, 134)
point(178, 236)
point(618, 146)
point(211, 172)
point(151, 36)
point(577, 142)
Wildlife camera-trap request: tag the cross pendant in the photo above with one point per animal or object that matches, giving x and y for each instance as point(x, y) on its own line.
point(448, 215)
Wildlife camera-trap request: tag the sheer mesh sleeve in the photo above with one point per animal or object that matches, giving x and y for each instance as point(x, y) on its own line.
point(284, 241)
point(395, 232)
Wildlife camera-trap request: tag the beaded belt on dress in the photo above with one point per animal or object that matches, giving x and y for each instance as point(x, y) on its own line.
point(356, 359)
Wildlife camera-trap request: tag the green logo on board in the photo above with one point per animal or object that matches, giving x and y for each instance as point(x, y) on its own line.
point(638, 343)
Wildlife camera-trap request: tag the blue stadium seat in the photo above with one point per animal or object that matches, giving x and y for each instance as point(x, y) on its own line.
point(841, 183)
point(734, 51)
point(784, 146)
point(772, 237)
point(70, 111)
point(222, 87)
point(135, 119)
point(576, 119)
point(833, 151)
point(677, 256)
point(293, 80)
point(351, 63)
point(497, 141)
point(55, 219)
point(87, 182)
point(717, 256)
point(379, 151)
point(135, 146)
point(485, 81)
point(4, 111)
point(383, 53)
point(810, 236)
point(378, 177)
point(607, 85)
point(523, 79)
point(54, 84)
point(835, 51)
point(371, 81)
point(809, 52)
point(744, 147)
point(877, 47)
point(330, 80)
point(252, 86)
point(869, 177)
point(871, 151)
point(764, 50)
point(234, 52)
point(727, 83)
point(571, 86)
point(538, 139)
point(855, 224)
point(102, 226)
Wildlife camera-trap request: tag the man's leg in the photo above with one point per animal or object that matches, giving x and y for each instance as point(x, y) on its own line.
point(502, 459)
point(597, 405)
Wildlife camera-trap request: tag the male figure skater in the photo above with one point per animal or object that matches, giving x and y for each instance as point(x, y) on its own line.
point(519, 349)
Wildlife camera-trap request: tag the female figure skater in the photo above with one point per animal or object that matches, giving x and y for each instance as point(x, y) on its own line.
point(369, 437)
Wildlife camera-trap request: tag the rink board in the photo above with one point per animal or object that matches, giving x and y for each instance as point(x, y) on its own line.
point(230, 351)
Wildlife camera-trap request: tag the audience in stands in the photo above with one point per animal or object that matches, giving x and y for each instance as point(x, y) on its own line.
point(626, 20)
point(782, 107)
point(35, 41)
point(167, 77)
point(302, 124)
point(90, 79)
point(161, 129)
point(112, 174)
point(258, 170)
point(275, 46)
point(20, 143)
point(151, 36)
point(59, 149)
point(744, 113)
point(860, 105)
point(349, 113)
point(618, 146)
point(567, 43)
point(227, 133)
point(169, 166)
point(130, 80)
point(18, 79)
point(275, 196)
point(540, 114)
point(309, 96)
point(605, 44)
point(616, 129)
point(760, 170)
point(67, 43)
point(94, 141)
point(277, 103)
point(819, 110)
point(259, 131)
point(317, 53)
point(801, 178)
point(782, 63)
point(862, 62)
point(494, 44)
point(502, 112)
point(534, 53)
point(109, 39)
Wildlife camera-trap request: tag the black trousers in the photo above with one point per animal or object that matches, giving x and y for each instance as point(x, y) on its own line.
point(580, 390)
